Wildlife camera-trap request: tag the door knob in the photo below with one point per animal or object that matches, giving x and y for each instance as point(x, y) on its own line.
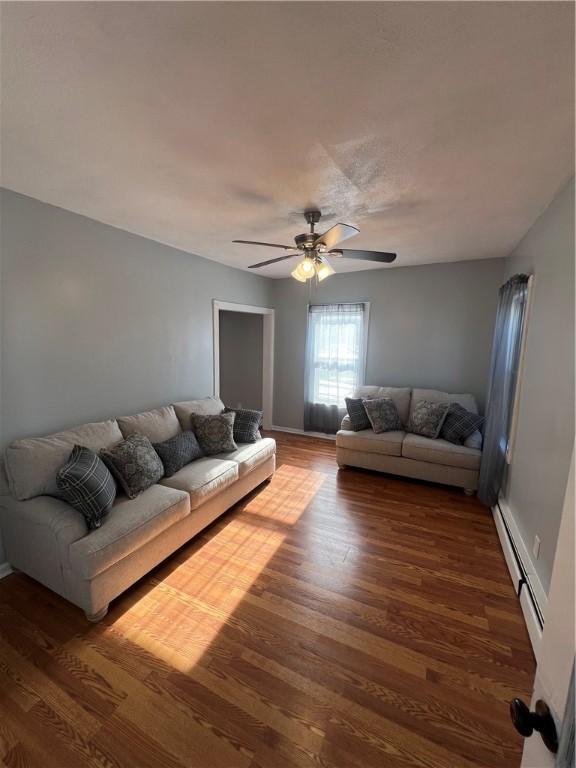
point(540, 720)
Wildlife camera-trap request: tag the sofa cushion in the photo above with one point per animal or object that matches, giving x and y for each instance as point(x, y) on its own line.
point(158, 425)
point(206, 406)
point(86, 484)
point(387, 443)
point(130, 524)
point(203, 478)
point(250, 455)
point(400, 396)
point(178, 451)
point(366, 391)
point(436, 396)
point(134, 463)
point(440, 452)
point(346, 424)
point(33, 463)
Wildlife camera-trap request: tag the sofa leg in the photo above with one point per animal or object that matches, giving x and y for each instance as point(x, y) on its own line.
point(469, 492)
point(94, 617)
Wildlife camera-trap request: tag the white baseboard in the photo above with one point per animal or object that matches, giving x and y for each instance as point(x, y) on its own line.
point(531, 618)
point(509, 555)
point(532, 578)
point(293, 431)
point(5, 570)
point(516, 557)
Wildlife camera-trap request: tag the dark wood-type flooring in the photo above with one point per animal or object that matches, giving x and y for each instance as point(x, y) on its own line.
point(332, 619)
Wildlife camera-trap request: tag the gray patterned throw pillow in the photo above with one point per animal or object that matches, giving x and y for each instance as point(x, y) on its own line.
point(246, 424)
point(178, 451)
point(134, 463)
point(427, 418)
point(383, 414)
point(87, 485)
point(357, 413)
point(215, 433)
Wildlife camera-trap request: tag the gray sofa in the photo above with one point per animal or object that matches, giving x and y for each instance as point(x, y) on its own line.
point(403, 453)
point(47, 539)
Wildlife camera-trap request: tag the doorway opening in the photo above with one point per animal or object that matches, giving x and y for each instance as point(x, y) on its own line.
point(244, 357)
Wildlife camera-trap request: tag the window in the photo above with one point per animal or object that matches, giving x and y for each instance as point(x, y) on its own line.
point(335, 357)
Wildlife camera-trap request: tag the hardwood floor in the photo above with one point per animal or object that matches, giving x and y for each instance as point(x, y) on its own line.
point(336, 619)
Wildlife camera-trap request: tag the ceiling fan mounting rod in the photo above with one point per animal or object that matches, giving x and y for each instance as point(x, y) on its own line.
point(312, 216)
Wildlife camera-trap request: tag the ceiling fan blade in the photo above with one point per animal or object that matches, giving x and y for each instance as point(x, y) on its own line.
point(272, 261)
point(268, 245)
point(380, 256)
point(335, 235)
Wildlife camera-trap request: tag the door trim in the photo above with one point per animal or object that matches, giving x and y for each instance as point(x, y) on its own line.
point(267, 351)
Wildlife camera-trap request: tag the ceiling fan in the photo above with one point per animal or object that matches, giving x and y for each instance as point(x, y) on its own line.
point(315, 249)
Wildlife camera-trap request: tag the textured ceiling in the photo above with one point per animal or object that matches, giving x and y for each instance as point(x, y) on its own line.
point(441, 130)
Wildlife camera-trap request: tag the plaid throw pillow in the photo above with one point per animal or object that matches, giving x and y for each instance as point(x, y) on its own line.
point(459, 424)
point(246, 424)
point(87, 485)
point(178, 451)
point(357, 412)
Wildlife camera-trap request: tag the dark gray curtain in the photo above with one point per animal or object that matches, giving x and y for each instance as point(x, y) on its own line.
point(323, 418)
point(506, 347)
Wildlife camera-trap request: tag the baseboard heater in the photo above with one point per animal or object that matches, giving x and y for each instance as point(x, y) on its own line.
point(518, 573)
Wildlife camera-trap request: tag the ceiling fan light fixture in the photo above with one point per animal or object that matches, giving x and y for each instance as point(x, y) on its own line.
point(304, 271)
point(324, 269)
point(296, 274)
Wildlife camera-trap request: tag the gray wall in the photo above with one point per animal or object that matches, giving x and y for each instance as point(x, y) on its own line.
point(98, 322)
point(430, 326)
point(241, 359)
point(538, 474)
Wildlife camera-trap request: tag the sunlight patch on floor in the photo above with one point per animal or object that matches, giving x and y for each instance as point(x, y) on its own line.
point(180, 616)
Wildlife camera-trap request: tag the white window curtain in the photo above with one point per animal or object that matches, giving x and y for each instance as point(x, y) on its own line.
point(335, 362)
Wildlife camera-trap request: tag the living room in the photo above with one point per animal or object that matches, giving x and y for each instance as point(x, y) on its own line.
point(287, 384)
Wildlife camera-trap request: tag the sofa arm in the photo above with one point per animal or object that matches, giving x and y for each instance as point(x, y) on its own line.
point(37, 534)
point(346, 423)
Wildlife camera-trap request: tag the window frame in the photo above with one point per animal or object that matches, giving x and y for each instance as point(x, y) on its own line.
point(364, 346)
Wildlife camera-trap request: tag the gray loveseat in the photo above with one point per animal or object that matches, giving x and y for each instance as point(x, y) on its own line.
point(403, 453)
point(47, 539)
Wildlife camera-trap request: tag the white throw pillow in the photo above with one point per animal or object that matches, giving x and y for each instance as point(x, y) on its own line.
point(474, 440)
